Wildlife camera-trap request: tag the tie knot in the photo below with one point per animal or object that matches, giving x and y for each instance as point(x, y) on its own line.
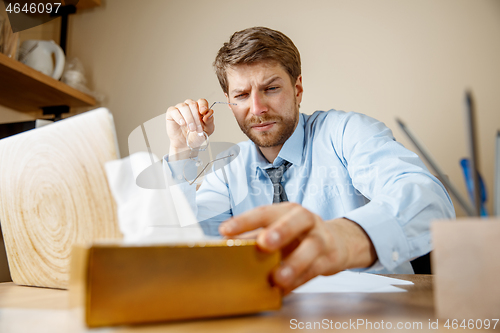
point(275, 174)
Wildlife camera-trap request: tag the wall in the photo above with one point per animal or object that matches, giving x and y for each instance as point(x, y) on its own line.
point(386, 58)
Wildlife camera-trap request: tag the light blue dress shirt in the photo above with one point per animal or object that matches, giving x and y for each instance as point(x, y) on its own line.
point(343, 165)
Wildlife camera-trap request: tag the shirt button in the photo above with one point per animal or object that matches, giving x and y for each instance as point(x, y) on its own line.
point(179, 177)
point(395, 256)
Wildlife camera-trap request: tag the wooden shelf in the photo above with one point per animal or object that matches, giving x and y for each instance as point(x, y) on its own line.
point(24, 89)
point(85, 4)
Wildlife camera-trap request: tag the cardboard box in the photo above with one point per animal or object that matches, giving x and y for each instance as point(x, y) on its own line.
point(118, 284)
point(466, 268)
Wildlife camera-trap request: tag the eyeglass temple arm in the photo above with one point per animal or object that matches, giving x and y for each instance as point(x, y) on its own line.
point(206, 166)
point(211, 106)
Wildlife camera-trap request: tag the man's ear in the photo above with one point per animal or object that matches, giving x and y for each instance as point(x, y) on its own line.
point(299, 89)
point(227, 99)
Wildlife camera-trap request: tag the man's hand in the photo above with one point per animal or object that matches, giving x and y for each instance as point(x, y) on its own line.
point(309, 245)
point(188, 119)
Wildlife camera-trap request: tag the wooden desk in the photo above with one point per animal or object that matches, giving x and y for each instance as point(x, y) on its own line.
point(29, 309)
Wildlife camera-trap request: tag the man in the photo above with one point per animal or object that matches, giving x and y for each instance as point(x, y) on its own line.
point(346, 194)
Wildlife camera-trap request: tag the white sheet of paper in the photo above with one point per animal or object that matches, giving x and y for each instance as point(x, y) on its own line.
point(352, 282)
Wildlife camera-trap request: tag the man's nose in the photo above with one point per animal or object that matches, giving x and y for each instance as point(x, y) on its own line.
point(259, 105)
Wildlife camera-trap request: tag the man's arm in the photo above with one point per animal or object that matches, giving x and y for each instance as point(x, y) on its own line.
point(187, 121)
point(393, 227)
point(404, 196)
point(310, 246)
point(211, 202)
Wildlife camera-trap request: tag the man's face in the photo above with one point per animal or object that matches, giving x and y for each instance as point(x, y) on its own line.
point(267, 107)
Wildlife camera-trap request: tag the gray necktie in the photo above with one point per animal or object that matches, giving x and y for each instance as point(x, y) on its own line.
point(276, 174)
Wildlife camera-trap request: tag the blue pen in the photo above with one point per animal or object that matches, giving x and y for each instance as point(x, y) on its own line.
point(466, 168)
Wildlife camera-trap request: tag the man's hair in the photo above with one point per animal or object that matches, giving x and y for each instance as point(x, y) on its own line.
point(253, 45)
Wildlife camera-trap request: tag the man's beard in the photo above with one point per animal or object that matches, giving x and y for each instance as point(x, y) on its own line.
point(275, 137)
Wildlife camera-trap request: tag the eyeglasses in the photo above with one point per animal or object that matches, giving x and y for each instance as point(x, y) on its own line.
point(221, 103)
point(193, 156)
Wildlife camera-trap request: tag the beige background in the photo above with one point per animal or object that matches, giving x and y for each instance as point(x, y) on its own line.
point(384, 58)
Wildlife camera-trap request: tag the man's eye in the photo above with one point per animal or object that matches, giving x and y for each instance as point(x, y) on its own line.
point(272, 88)
point(239, 96)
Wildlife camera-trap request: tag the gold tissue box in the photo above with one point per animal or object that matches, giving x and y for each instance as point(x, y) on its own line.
point(121, 284)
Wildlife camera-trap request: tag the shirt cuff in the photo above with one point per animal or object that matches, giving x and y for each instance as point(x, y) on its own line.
point(386, 234)
point(181, 171)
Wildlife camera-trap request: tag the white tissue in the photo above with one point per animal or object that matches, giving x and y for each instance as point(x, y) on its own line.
point(149, 215)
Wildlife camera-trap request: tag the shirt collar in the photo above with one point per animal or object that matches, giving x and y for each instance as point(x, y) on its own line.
point(291, 151)
point(294, 146)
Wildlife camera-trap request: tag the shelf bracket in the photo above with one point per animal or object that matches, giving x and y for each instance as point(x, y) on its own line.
point(56, 110)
